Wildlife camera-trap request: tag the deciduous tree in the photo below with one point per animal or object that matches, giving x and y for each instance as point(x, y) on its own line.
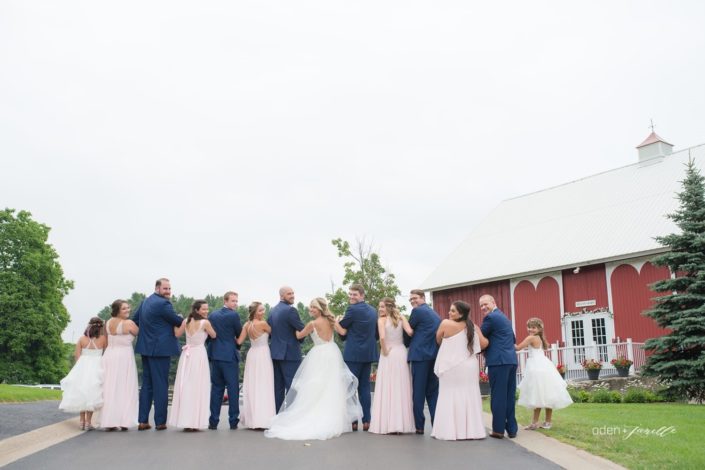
point(362, 266)
point(32, 315)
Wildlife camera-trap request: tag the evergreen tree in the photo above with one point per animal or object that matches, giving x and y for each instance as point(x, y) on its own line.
point(678, 357)
point(32, 314)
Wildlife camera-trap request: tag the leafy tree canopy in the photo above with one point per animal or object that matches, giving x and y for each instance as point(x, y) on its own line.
point(362, 266)
point(32, 315)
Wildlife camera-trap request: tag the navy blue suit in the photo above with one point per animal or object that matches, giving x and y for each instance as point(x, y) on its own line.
point(422, 356)
point(225, 364)
point(501, 360)
point(284, 347)
point(156, 343)
point(361, 349)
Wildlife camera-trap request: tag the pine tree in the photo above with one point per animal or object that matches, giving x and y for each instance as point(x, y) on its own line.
point(678, 357)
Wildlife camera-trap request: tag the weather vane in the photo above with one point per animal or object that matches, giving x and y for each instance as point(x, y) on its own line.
point(652, 125)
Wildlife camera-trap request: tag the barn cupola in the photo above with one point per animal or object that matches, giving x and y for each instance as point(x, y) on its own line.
point(653, 147)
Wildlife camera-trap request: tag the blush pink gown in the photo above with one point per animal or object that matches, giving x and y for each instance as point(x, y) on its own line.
point(190, 407)
point(258, 385)
point(120, 394)
point(392, 410)
point(459, 408)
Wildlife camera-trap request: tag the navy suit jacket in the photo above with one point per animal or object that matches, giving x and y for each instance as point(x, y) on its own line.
point(157, 318)
point(498, 330)
point(285, 322)
point(361, 340)
point(227, 326)
point(422, 346)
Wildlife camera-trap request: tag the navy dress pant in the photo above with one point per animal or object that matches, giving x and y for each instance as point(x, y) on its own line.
point(225, 374)
point(284, 372)
point(155, 387)
point(362, 371)
point(503, 386)
point(424, 389)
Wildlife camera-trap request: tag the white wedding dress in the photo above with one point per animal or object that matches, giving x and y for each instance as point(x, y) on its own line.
point(322, 402)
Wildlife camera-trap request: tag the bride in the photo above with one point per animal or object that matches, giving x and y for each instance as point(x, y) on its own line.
point(322, 401)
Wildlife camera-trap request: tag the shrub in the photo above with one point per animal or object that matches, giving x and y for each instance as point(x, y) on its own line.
point(640, 395)
point(579, 396)
point(616, 396)
point(601, 396)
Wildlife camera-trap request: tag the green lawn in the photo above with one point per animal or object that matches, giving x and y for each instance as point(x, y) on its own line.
point(14, 394)
point(637, 436)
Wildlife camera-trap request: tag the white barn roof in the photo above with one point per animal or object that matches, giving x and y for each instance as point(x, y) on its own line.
point(608, 216)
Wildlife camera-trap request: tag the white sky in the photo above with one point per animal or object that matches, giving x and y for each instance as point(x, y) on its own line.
point(223, 144)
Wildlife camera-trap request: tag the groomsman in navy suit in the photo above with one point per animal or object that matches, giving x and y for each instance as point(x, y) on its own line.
point(422, 356)
point(156, 343)
point(283, 345)
point(358, 328)
point(501, 360)
point(225, 361)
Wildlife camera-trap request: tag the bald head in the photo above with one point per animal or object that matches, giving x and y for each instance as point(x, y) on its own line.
point(286, 294)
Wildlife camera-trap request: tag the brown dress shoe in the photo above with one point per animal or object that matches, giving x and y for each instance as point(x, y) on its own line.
point(143, 427)
point(496, 435)
point(365, 426)
point(354, 426)
point(160, 427)
point(419, 431)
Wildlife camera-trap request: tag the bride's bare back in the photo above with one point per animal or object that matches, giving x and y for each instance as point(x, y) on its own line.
point(324, 328)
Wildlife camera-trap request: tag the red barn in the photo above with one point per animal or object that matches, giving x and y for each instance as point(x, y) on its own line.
point(575, 255)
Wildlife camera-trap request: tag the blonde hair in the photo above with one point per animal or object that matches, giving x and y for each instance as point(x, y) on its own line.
point(322, 305)
point(538, 324)
point(392, 310)
point(252, 310)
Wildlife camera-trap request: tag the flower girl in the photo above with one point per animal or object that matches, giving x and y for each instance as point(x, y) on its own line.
point(542, 385)
point(83, 386)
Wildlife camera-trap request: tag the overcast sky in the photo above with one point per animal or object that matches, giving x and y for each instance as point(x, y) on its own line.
point(223, 144)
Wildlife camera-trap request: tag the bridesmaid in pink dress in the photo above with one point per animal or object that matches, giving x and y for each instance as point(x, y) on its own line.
point(459, 408)
point(258, 383)
point(392, 411)
point(120, 393)
point(190, 407)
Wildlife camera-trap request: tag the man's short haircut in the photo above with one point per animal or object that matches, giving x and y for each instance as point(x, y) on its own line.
point(227, 295)
point(489, 297)
point(159, 282)
point(358, 288)
point(418, 292)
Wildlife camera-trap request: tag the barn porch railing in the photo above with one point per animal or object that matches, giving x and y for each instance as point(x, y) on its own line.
point(573, 356)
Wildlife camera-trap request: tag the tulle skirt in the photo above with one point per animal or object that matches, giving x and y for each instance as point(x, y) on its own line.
point(322, 401)
point(542, 385)
point(83, 387)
